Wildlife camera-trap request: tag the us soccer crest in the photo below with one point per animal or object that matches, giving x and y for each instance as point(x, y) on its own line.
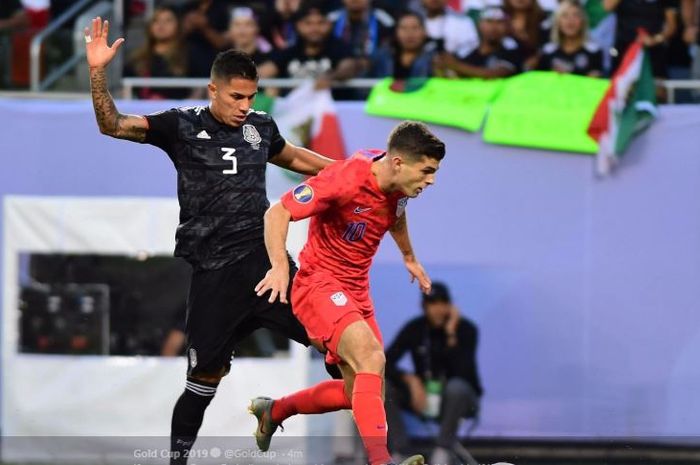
point(252, 136)
point(339, 299)
point(401, 206)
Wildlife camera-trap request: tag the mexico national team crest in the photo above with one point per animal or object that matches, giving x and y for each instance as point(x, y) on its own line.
point(339, 299)
point(401, 206)
point(303, 193)
point(251, 135)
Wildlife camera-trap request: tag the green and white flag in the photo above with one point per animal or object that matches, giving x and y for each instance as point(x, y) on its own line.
point(627, 108)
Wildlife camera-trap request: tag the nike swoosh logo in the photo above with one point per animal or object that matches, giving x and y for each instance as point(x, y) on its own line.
point(359, 210)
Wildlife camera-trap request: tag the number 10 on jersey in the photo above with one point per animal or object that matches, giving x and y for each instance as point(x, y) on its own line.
point(228, 155)
point(355, 231)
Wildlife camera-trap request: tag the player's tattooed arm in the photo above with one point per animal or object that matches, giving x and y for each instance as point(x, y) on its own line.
point(109, 120)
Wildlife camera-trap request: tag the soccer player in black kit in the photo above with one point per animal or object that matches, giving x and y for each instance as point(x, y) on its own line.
point(220, 152)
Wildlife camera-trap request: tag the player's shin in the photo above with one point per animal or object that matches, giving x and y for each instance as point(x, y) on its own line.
point(187, 418)
point(327, 396)
point(370, 417)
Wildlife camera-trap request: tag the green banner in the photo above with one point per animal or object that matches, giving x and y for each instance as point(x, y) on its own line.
point(546, 110)
point(460, 103)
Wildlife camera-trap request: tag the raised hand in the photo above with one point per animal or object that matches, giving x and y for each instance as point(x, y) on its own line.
point(99, 53)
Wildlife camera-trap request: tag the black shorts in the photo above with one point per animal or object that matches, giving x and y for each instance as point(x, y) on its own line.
point(223, 308)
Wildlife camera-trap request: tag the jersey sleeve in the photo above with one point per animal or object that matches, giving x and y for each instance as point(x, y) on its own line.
point(317, 194)
point(277, 142)
point(162, 129)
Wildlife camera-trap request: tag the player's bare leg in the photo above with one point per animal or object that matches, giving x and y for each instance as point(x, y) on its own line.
point(364, 374)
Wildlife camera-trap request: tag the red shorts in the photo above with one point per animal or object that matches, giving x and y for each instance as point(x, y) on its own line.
point(325, 308)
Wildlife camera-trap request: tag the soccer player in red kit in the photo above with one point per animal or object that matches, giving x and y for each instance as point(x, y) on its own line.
point(352, 204)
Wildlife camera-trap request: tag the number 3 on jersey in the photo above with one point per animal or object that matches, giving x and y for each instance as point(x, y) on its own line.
point(228, 155)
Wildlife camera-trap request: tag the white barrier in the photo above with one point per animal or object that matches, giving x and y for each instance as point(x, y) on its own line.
point(46, 395)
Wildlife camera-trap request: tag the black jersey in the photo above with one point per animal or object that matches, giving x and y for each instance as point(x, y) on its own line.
point(220, 181)
point(646, 14)
point(587, 59)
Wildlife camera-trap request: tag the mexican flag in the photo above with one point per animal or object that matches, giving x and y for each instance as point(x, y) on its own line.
point(627, 108)
point(307, 117)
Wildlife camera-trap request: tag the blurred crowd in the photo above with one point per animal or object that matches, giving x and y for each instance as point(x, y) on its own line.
point(336, 40)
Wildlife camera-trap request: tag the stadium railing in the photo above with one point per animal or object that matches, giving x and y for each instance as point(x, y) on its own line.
point(130, 83)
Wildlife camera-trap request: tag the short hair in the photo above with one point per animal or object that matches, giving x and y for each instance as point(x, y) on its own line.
point(413, 140)
point(308, 8)
point(232, 64)
point(412, 14)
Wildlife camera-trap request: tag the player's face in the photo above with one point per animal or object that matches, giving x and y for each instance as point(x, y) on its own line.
point(412, 177)
point(230, 101)
point(437, 313)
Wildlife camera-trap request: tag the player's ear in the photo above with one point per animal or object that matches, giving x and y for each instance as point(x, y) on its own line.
point(211, 89)
point(396, 162)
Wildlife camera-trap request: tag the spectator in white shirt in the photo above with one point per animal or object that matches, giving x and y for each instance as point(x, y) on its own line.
point(453, 32)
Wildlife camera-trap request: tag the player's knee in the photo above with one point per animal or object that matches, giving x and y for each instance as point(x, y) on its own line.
point(212, 378)
point(372, 362)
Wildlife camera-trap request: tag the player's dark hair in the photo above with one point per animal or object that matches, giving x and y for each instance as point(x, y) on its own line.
point(232, 64)
point(414, 139)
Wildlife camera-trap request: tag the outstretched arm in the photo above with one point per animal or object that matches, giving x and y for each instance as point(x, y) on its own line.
point(399, 232)
point(301, 160)
point(109, 120)
point(276, 280)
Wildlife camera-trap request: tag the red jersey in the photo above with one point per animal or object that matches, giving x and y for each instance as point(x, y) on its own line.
point(350, 213)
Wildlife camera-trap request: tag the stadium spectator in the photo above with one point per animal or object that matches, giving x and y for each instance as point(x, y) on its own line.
point(444, 384)
point(497, 55)
point(316, 54)
point(410, 55)
point(12, 16)
point(570, 50)
point(204, 24)
point(657, 17)
point(161, 55)
point(690, 10)
point(529, 25)
point(453, 32)
point(282, 32)
point(361, 28)
point(244, 35)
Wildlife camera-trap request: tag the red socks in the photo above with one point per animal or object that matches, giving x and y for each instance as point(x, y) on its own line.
point(368, 409)
point(327, 396)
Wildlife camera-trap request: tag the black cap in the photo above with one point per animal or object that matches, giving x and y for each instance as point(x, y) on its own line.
point(438, 293)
